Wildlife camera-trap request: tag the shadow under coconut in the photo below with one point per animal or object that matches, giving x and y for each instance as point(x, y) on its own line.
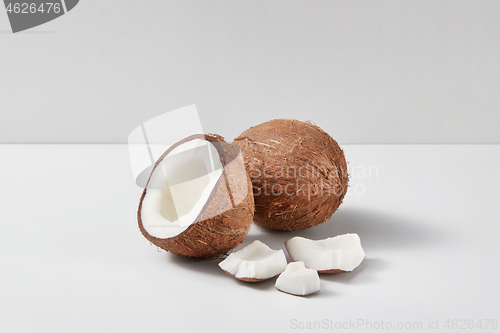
point(366, 272)
point(377, 230)
point(201, 266)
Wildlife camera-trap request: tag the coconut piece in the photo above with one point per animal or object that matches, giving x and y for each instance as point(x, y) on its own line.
point(198, 200)
point(339, 254)
point(298, 280)
point(255, 262)
point(299, 173)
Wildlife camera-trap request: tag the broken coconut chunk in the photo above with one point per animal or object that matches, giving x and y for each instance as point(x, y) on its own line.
point(298, 280)
point(255, 262)
point(337, 254)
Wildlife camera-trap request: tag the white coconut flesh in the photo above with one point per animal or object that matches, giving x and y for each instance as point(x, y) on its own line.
point(256, 261)
point(342, 253)
point(179, 188)
point(298, 280)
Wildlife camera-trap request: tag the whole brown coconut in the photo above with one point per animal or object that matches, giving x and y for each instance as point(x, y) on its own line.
point(225, 217)
point(299, 173)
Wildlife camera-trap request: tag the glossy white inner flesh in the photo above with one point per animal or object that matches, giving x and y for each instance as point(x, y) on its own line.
point(179, 188)
point(343, 252)
point(255, 261)
point(298, 280)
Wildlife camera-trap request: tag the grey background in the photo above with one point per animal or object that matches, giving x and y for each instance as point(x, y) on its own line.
point(365, 71)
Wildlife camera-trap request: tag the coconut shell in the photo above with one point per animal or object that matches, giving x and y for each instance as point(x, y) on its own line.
point(247, 279)
point(284, 292)
point(337, 271)
point(225, 218)
point(299, 173)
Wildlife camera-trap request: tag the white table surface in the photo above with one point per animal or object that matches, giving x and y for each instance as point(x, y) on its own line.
point(73, 259)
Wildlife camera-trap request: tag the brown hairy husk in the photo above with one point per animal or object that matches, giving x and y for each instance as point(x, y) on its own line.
point(228, 223)
point(272, 151)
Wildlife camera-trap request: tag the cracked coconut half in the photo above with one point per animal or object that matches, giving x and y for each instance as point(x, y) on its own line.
point(198, 200)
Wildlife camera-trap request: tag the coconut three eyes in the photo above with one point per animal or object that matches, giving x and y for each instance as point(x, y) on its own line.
point(198, 200)
point(299, 173)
